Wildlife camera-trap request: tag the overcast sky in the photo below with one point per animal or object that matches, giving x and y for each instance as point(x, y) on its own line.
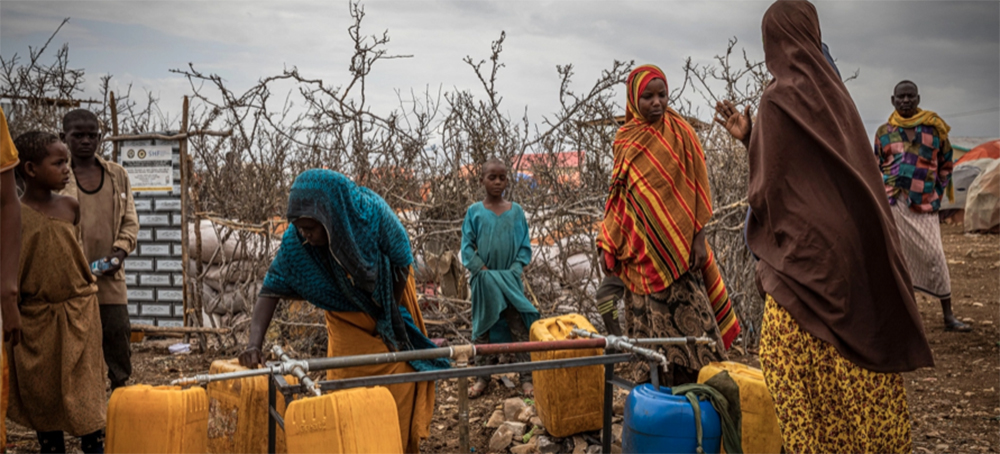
point(951, 49)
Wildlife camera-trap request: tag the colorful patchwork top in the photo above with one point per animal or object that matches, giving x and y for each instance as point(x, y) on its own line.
point(916, 165)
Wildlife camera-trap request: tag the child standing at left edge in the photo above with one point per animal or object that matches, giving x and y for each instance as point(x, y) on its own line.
point(496, 247)
point(56, 371)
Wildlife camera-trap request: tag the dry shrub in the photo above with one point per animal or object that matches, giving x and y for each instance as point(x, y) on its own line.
point(424, 158)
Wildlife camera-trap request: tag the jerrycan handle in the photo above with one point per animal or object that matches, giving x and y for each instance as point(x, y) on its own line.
point(563, 329)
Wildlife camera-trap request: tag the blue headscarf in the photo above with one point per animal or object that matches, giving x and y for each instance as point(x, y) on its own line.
point(355, 272)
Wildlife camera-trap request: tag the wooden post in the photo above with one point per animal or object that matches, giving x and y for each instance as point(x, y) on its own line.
point(114, 127)
point(184, 210)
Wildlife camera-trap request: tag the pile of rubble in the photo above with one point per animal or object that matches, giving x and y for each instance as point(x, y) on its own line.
point(519, 430)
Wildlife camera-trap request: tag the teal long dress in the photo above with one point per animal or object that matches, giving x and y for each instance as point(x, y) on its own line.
point(501, 244)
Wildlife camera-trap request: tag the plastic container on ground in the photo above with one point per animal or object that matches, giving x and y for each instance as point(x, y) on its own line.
point(761, 433)
point(659, 422)
point(160, 419)
point(237, 411)
point(568, 401)
point(360, 420)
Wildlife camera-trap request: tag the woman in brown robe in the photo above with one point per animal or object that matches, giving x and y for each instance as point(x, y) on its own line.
point(840, 322)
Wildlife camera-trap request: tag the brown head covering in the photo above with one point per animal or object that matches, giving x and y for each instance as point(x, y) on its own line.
point(821, 225)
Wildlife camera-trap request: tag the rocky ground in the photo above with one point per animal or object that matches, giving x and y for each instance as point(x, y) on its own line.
point(955, 406)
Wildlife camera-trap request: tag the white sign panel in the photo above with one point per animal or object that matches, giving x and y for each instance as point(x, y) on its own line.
point(150, 167)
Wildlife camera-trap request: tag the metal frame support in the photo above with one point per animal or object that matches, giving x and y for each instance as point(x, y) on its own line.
point(277, 383)
point(272, 405)
point(607, 435)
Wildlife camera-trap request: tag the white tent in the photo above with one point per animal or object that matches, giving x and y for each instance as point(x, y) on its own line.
point(982, 208)
point(962, 177)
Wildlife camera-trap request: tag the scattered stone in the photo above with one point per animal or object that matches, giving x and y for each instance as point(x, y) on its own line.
point(977, 304)
point(941, 447)
point(618, 408)
point(546, 445)
point(526, 414)
point(986, 322)
point(616, 449)
point(501, 439)
point(579, 445)
point(593, 449)
point(496, 420)
point(536, 421)
point(932, 434)
point(616, 431)
point(527, 448)
point(516, 428)
point(512, 407)
point(968, 320)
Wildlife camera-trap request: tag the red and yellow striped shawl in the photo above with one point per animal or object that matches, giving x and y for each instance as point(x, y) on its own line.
point(659, 199)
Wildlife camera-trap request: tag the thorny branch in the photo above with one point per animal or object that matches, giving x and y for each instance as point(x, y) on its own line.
point(424, 159)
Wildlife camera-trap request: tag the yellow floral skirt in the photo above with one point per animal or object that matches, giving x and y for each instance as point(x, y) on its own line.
point(824, 402)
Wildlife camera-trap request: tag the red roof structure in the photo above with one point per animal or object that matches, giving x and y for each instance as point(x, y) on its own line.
point(988, 150)
point(561, 160)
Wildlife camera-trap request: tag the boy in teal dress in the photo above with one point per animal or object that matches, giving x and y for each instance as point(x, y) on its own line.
point(496, 247)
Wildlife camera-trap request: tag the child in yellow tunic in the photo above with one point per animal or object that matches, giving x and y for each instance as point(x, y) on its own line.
point(56, 372)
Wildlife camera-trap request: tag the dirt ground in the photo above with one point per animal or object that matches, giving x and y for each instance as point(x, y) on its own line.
point(955, 406)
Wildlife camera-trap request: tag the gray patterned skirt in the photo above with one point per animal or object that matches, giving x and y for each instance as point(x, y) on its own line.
point(682, 310)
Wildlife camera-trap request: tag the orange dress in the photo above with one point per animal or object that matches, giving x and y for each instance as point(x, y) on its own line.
point(353, 333)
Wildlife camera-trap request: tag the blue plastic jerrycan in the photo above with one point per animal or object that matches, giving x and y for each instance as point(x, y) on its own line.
point(658, 422)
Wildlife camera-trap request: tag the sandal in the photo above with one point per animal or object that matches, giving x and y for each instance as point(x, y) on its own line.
point(957, 326)
point(528, 389)
point(478, 388)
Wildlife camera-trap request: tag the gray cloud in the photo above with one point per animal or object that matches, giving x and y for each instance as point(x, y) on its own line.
point(952, 49)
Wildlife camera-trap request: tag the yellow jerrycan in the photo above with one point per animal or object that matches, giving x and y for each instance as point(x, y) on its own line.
point(237, 412)
point(760, 423)
point(160, 419)
point(360, 420)
point(571, 400)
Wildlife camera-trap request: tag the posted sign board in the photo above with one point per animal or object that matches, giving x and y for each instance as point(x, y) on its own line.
point(153, 272)
point(150, 167)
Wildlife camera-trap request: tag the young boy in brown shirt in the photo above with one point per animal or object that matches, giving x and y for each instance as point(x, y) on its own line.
point(109, 227)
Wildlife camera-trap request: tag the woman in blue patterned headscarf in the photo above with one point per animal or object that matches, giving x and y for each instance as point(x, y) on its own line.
point(347, 253)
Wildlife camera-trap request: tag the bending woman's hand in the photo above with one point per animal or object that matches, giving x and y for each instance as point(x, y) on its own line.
point(251, 357)
point(730, 118)
point(263, 311)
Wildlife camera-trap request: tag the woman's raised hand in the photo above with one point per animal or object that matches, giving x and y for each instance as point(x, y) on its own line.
point(730, 118)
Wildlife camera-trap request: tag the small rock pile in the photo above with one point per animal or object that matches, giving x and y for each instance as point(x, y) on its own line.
point(519, 430)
